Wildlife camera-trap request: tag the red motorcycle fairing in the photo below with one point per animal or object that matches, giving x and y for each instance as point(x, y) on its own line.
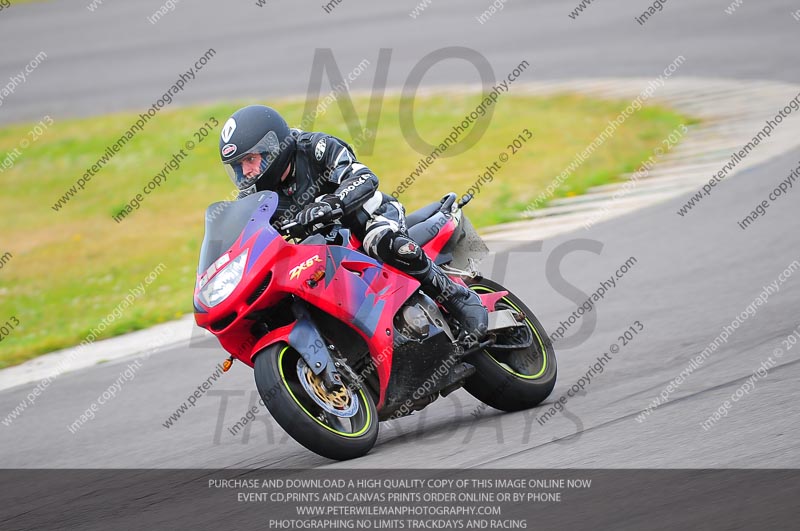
point(350, 286)
point(440, 239)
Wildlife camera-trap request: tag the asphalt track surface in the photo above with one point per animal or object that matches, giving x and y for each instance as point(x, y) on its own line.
point(693, 275)
point(114, 59)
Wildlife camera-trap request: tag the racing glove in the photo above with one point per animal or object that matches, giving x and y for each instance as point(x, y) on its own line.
point(320, 211)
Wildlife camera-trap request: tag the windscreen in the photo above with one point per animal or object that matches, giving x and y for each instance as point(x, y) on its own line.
point(226, 220)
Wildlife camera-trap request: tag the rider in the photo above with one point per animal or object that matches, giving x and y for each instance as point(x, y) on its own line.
point(314, 174)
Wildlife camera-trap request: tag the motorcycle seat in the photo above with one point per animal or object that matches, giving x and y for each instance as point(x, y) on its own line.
point(418, 216)
point(424, 224)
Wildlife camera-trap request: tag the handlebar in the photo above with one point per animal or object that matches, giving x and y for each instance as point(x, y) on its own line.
point(289, 225)
point(335, 213)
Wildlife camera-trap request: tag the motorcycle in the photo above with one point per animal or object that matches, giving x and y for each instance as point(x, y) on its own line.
point(339, 341)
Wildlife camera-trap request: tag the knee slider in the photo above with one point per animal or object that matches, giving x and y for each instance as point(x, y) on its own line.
point(404, 246)
point(394, 248)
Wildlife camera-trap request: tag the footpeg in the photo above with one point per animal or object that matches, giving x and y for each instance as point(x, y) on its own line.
point(473, 347)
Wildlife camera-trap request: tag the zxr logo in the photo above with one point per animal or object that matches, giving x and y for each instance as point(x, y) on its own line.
point(295, 272)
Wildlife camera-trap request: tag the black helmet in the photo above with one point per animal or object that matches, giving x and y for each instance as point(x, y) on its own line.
point(256, 129)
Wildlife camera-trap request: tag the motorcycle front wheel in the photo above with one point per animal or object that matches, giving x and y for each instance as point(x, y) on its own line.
point(338, 424)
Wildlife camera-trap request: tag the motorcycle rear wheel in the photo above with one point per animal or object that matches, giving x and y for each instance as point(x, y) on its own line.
point(517, 379)
point(308, 419)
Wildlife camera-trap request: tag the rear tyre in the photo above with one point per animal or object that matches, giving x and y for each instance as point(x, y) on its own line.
point(512, 380)
point(338, 425)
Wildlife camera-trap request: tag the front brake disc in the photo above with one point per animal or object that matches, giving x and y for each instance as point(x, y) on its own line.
point(338, 401)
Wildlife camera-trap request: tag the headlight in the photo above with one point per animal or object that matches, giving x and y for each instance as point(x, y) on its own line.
point(224, 282)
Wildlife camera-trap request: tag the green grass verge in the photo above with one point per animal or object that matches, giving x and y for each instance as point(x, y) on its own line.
point(70, 269)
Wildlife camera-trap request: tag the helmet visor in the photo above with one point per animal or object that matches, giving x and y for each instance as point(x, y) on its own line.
point(244, 171)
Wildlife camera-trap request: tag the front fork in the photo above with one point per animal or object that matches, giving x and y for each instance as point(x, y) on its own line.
point(306, 339)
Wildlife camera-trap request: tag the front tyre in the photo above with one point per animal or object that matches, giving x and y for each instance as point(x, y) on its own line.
point(513, 379)
point(341, 424)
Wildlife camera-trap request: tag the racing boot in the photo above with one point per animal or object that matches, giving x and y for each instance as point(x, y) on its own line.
point(460, 302)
